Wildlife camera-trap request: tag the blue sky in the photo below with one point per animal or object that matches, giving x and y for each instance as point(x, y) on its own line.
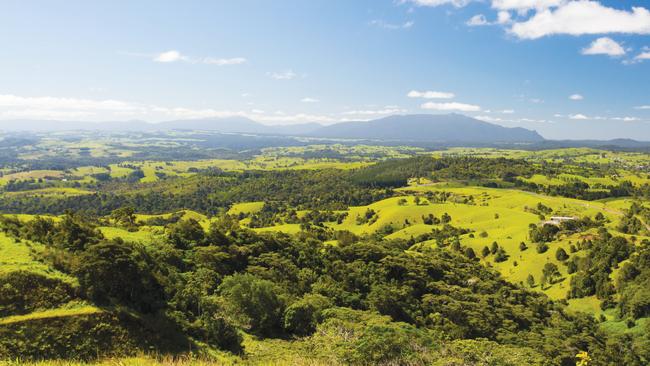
point(567, 68)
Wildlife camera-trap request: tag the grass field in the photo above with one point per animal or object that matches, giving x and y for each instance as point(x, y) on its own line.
point(492, 215)
point(16, 256)
point(246, 208)
point(502, 214)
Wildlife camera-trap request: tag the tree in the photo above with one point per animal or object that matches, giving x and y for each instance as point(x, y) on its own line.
point(500, 256)
point(112, 272)
point(485, 252)
point(530, 280)
point(550, 272)
point(522, 246)
point(455, 244)
point(541, 248)
point(215, 329)
point(469, 253)
point(561, 255)
point(124, 216)
point(494, 247)
point(185, 234)
point(259, 304)
point(75, 234)
point(302, 316)
point(445, 218)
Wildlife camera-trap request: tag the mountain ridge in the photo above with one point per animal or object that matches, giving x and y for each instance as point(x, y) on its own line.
point(416, 127)
point(430, 128)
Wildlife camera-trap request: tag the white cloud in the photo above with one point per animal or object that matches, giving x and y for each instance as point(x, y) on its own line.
point(382, 24)
point(293, 118)
point(451, 106)
point(508, 111)
point(604, 46)
point(643, 56)
point(54, 103)
point(504, 121)
point(489, 119)
point(578, 116)
point(175, 56)
point(51, 108)
point(430, 94)
point(309, 100)
point(626, 119)
point(372, 112)
point(477, 21)
point(583, 17)
point(524, 5)
point(642, 107)
point(282, 75)
point(434, 3)
point(169, 56)
point(576, 97)
point(223, 61)
point(503, 17)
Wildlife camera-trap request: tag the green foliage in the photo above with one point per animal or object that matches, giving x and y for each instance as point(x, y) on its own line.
point(185, 234)
point(69, 337)
point(257, 303)
point(302, 317)
point(114, 273)
point(561, 255)
point(22, 292)
point(391, 343)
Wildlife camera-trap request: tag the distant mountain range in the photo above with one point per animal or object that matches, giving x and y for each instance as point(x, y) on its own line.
point(428, 127)
point(418, 128)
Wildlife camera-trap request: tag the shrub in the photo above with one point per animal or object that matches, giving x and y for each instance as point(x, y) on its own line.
point(22, 292)
point(391, 344)
point(302, 317)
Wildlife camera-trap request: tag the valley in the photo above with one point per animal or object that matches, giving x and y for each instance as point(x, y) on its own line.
point(338, 234)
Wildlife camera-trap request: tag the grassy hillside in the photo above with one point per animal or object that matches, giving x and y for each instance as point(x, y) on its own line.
point(327, 255)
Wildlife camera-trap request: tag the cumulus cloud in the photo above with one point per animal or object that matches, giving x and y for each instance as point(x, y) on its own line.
point(175, 56)
point(583, 17)
point(309, 100)
point(477, 21)
point(604, 46)
point(576, 97)
point(503, 17)
point(451, 106)
point(524, 5)
point(642, 56)
point(282, 75)
point(430, 94)
point(642, 107)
